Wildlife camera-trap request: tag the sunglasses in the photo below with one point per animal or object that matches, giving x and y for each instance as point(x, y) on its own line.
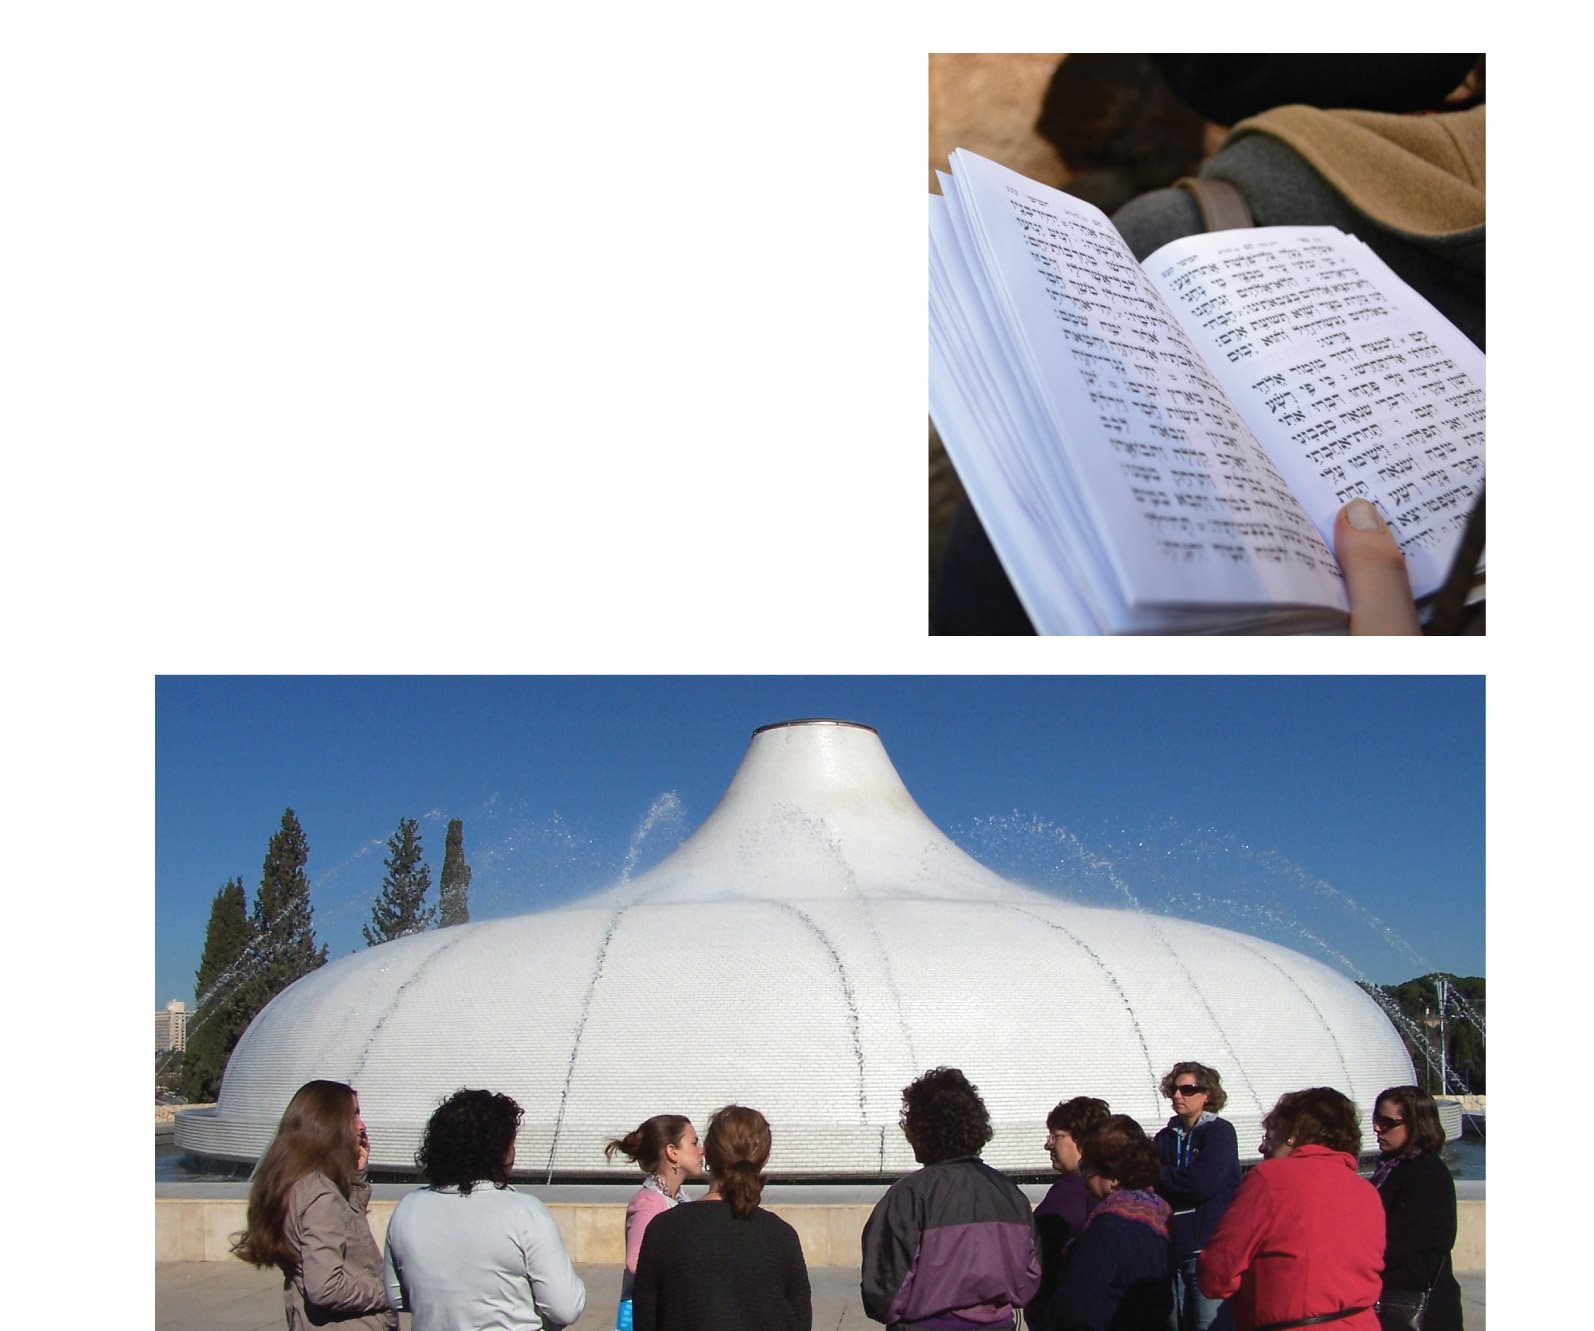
point(1380, 1121)
point(1189, 1090)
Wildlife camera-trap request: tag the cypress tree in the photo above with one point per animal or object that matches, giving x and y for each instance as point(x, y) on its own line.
point(284, 933)
point(398, 911)
point(222, 987)
point(454, 886)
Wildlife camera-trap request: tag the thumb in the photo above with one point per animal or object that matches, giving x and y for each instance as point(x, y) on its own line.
point(1375, 572)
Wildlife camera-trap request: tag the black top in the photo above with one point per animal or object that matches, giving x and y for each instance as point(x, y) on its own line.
point(702, 1269)
point(1419, 1198)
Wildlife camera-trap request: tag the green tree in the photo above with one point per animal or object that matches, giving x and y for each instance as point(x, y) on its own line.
point(1464, 1044)
point(284, 945)
point(454, 886)
point(397, 912)
point(223, 991)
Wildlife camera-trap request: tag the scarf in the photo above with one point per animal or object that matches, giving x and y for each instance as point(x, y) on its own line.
point(1386, 1166)
point(657, 1184)
point(1141, 1205)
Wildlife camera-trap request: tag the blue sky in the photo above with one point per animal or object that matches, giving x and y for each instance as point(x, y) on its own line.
point(1341, 815)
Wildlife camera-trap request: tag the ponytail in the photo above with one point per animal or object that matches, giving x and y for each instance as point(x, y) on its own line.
point(742, 1185)
point(646, 1145)
point(738, 1149)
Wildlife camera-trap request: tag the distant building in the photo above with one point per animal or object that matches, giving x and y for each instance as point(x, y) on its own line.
point(171, 1027)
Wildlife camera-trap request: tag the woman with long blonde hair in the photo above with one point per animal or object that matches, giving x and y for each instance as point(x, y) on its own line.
point(306, 1216)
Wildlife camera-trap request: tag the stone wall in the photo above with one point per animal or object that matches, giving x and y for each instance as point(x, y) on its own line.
point(199, 1230)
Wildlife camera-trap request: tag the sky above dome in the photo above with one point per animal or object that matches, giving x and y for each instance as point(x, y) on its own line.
point(1343, 816)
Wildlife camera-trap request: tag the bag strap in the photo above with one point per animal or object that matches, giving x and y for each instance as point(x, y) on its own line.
point(1312, 1321)
point(1222, 205)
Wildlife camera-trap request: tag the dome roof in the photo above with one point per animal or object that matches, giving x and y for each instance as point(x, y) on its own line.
point(809, 950)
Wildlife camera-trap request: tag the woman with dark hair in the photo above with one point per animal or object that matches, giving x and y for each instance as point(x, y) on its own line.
point(730, 1265)
point(1419, 1198)
point(667, 1148)
point(1061, 1214)
point(1200, 1158)
point(467, 1251)
point(1115, 1277)
point(1303, 1241)
point(952, 1244)
point(306, 1214)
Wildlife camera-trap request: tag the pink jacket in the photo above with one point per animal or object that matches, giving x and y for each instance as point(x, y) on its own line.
point(642, 1208)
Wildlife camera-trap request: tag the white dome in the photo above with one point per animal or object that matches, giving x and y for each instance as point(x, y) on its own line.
point(809, 950)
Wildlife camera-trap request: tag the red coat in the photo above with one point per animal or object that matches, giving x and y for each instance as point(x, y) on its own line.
point(1303, 1236)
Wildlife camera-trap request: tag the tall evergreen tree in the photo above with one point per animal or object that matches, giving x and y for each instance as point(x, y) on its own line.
point(454, 886)
point(398, 911)
point(284, 946)
point(222, 991)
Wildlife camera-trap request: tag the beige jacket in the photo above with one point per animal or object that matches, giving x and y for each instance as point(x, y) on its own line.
point(1422, 175)
point(339, 1277)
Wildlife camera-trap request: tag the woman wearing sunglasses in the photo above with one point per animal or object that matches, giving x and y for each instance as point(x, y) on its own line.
point(1200, 1169)
point(1419, 1198)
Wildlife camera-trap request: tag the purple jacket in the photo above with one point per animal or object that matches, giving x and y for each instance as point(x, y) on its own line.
point(950, 1246)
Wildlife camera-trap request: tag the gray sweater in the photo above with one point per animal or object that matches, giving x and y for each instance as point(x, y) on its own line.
point(487, 1260)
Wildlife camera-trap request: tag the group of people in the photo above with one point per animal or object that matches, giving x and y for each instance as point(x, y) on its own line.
point(1139, 1233)
point(1301, 1240)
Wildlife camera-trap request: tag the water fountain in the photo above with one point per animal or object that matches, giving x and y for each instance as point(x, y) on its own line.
point(813, 946)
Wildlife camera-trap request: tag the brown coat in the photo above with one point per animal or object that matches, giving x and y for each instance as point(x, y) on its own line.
point(1422, 175)
point(339, 1276)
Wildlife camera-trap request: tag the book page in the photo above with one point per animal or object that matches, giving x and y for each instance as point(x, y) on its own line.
point(1353, 382)
point(1189, 507)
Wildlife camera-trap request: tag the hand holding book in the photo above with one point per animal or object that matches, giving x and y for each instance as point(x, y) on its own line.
point(1165, 448)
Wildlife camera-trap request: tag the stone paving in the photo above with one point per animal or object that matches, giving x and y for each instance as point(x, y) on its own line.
point(230, 1296)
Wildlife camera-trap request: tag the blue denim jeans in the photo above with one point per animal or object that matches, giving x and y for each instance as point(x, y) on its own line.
point(1192, 1310)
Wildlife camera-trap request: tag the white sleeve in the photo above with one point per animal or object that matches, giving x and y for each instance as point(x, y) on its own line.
point(556, 1289)
point(390, 1274)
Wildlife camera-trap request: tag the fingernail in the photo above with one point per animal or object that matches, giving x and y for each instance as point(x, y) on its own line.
point(1363, 516)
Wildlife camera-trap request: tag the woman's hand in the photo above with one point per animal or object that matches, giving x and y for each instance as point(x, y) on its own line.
point(1375, 573)
point(364, 1154)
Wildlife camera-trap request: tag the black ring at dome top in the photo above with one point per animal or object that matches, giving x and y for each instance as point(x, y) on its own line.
point(816, 721)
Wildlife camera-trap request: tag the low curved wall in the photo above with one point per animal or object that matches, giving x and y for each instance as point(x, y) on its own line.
point(199, 1230)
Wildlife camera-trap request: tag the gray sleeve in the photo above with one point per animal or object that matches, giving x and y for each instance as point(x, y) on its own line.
point(390, 1273)
point(1151, 221)
point(556, 1289)
point(890, 1246)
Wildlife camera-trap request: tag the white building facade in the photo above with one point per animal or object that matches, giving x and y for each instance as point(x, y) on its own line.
point(810, 949)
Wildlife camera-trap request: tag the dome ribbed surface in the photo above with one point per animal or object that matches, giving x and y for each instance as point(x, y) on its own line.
point(810, 949)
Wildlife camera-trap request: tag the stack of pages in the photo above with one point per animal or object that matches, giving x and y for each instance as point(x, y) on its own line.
point(1162, 448)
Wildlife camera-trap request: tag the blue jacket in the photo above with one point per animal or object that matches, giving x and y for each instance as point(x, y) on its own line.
point(1199, 1177)
point(1115, 1278)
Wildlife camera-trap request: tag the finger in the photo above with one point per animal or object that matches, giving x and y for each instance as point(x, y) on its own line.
point(1376, 582)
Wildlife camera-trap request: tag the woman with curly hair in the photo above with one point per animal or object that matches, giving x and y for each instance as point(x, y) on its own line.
point(1200, 1157)
point(1419, 1198)
point(952, 1243)
point(307, 1214)
point(724, 1263)
point(667, 1148)
point(468, 1251)
point(1303, 1241)
point(1115, 1277)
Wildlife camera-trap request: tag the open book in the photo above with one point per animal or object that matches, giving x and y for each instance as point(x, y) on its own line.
point(1162, 448)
